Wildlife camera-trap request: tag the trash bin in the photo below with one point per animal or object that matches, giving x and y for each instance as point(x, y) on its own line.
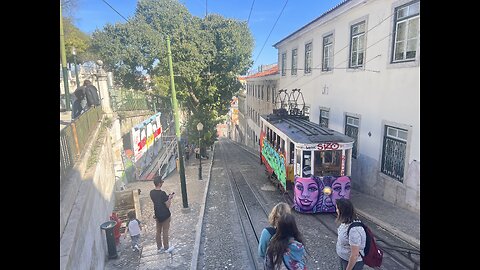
point(108, 228)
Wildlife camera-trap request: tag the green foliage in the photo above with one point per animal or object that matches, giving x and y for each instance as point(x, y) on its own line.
point(75, 38)
point(207, 55)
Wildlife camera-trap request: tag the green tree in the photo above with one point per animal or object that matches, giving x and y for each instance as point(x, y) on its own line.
point(74, 37)
point(207, 53)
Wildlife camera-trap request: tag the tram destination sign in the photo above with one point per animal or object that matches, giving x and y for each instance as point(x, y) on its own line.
point(327, 146)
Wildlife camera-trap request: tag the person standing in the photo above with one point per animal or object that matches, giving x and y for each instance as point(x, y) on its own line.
point(286, 249)
point(349, 245)
point(134, 227)
point(77, 103)
point(161, 207)
point(91, 93)
point(267, 233)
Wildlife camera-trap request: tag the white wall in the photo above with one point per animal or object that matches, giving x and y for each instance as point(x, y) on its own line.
point(378, 94)
point(261, 106)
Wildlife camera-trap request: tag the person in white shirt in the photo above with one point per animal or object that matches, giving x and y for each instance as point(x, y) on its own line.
point(133, 227)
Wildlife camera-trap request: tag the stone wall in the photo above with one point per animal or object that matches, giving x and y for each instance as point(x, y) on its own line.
point(82, 242)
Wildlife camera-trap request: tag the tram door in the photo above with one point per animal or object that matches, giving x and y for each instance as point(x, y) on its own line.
point(303, 163)
point(307, 163)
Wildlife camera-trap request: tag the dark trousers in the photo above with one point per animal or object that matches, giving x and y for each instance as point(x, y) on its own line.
point(76, 109)
point(357, 266)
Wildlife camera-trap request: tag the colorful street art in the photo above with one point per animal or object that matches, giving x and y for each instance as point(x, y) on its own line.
point(318, 194)
point(274, 161)
point(146, 142)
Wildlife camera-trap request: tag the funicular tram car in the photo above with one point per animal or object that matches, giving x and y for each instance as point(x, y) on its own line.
point(301, 155)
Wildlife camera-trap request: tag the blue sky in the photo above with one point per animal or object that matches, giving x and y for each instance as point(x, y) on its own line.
point(94, 14)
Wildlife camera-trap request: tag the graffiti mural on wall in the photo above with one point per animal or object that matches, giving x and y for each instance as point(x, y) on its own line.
point(274, 161)
point(146, 142)
point(318, 194)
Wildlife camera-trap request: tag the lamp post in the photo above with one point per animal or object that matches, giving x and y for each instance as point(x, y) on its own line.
point(74, 53)
point(200, 128)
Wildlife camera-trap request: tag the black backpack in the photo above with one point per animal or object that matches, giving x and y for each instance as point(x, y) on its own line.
point(271, 230)
point(373, 255)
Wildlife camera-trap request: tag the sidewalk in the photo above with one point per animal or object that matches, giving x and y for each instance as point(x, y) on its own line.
point(402, 223)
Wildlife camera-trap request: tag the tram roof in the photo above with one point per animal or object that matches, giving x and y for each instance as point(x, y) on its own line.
point(300, 130)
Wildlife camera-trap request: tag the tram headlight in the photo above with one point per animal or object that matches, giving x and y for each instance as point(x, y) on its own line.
point(327, 191)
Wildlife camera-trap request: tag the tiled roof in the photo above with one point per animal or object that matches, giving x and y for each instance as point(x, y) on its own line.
point(264, 73)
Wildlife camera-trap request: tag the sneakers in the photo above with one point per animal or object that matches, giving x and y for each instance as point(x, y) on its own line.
point(162, 250)
point(136, 248)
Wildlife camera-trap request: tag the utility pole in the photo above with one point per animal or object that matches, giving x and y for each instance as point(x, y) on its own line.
point(64, 63)
point(177, 129)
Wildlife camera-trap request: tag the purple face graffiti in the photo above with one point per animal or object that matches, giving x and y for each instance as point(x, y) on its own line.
point(307, 192)
point(341, 188)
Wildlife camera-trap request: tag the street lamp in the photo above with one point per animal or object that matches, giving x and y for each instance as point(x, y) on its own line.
point(200, 128)
point(74, 53)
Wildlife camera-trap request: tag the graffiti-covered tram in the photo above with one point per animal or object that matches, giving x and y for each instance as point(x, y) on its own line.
point(313, 161)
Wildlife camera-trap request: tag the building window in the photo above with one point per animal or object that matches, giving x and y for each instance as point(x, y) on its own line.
point(327, 60)
point(394, 152)
point(294, 62)
point(268, 92)
point(351, 130)
point(273, 94)
point(308, 58)
point(284, 64)
point(407, 32)
point(262, 92)
point(324, 118)
point(357, 45)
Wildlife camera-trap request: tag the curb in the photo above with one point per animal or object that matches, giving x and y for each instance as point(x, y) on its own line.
point(199, 226)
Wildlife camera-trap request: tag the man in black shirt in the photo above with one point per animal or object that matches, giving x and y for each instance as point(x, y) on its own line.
point(91, 93)
point(161, 204)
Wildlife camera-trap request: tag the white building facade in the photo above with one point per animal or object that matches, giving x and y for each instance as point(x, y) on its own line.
point(358, 67)
point(260, 91)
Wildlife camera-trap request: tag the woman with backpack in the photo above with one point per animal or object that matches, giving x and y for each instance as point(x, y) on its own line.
point(278, 210)
point(350, 244)
point(286, 249)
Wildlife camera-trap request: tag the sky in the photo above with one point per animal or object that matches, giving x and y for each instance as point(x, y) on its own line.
point(265, 15)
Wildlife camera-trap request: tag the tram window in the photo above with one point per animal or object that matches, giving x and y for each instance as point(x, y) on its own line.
point(327, 162)
point(292, 148)
point(318, 163)
point(307, 166)
point(327, 157)
point(299, 160)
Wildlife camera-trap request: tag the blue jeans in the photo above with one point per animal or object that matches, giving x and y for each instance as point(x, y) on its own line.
point(135, 239)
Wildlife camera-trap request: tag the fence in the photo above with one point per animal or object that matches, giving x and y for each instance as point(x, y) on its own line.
point(131, 100)
point(74, 137)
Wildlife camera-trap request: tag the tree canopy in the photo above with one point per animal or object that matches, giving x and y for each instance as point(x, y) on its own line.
point(208, 54)
point(76, 38)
